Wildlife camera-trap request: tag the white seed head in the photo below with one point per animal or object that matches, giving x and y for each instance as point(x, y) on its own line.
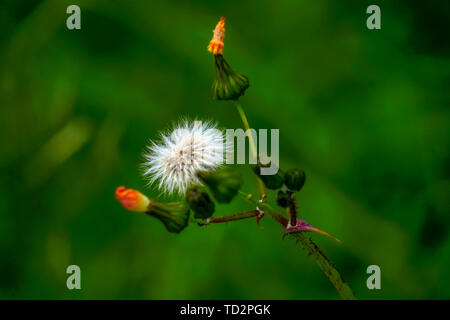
point(190, 147)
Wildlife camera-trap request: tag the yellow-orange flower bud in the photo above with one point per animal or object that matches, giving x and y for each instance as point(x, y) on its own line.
point(132, 199)
point(216, 44)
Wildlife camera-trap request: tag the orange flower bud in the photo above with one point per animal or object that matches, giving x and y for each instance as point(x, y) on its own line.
point(216, 44)
point(132, 199)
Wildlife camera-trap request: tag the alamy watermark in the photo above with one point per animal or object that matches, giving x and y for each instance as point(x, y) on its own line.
point(374, 280)
point(74, 280)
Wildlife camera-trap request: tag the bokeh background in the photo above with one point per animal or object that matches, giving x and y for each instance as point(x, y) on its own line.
point(364, 113)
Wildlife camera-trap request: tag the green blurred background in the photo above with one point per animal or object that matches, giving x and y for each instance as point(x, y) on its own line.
point(365, 113)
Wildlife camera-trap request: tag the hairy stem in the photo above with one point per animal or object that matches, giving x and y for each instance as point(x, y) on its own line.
point(293, 209)
point(261, 187)
point(307, 244)
point(237, 216)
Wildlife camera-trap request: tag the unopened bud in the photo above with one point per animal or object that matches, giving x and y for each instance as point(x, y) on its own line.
point(295, 179)
point(132, 200)
point(283, 198)
point(200, 202)
point(224, 183)
point(174, 215)
point(272, 182)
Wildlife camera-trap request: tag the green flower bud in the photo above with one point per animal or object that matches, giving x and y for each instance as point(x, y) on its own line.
point(224, 183)
point(229, 85)
point(174, 215)
point(272, 182)
point(200, 202)
point(295, 179)
point(283, 198)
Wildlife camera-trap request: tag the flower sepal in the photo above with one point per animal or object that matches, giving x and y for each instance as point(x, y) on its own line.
point(229, 84)
point(174, 215)
point(303, 226)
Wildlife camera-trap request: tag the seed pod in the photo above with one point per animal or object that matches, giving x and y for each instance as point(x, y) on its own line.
point(295, 179)
point(272, 182)
point(200, 202)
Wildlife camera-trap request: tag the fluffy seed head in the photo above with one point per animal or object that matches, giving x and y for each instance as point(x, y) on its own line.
point(173, 162)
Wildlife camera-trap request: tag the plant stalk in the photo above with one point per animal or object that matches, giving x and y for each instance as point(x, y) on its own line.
point(308, 245)
point(237, 216)
point(261, 187)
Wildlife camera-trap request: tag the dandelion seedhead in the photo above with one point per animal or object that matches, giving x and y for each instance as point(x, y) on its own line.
point(173, 162)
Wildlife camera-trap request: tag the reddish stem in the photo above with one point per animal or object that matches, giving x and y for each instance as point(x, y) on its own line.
point(293, 210)
point(237, 216)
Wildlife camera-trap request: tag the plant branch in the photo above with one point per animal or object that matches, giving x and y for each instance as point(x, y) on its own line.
point(261, 187)
point(308, 245)
point(237, 216)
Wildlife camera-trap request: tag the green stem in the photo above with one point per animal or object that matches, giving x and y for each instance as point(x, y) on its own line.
point(247, 128)
point(307, 244)
point(261, 187)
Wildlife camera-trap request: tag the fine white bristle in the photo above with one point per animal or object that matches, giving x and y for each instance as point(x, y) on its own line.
point(190, 147)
